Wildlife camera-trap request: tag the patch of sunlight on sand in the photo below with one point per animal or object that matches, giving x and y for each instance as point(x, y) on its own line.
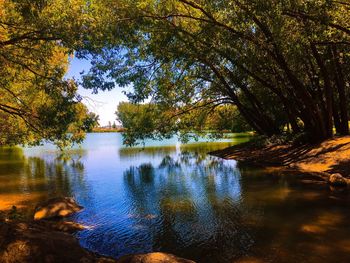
point(268, 196)
point(278, 194)
point(314, 252)
point(281, 194)
point(323, 223)
point(317, 167)
point(344, 245)
point(249, 260)
point(312, 229)
point(328, 154)
point(321, 248)
point(157, 257)
point(310, 196)
point(19, 200)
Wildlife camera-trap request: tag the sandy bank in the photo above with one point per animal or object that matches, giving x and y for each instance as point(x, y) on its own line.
point(329, 157)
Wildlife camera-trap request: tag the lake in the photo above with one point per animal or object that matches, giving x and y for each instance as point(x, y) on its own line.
point(178, 199)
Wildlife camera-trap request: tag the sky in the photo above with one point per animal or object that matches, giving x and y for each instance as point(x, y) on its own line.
point(105, 102)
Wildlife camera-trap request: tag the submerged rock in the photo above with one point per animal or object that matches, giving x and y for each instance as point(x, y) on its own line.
point(50, 241)
point(32, 242)
point(156, 257)
point(64, 226)
point(56, 207)
point(337, 180)
point(36, 241)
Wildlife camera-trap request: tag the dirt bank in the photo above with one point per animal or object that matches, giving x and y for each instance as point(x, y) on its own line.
point(329, 157)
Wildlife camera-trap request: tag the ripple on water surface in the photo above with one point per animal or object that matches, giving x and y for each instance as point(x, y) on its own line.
point(176, 198)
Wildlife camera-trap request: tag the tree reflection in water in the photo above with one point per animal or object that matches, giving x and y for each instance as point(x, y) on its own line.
point(194, 202)
point(179, 199)
point(25, 180)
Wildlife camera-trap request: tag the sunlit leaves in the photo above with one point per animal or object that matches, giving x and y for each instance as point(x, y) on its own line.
point(36, 102)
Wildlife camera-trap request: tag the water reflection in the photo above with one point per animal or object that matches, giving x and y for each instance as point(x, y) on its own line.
point(193, 200)
point(177, 199)
point(162, 150)
point(128, 152)
point(25, 180)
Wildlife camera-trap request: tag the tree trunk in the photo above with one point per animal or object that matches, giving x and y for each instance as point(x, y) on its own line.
point(328, 92)
point(340, 83)
point(336, 117)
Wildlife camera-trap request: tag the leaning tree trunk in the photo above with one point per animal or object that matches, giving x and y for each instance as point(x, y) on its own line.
point(340, 83)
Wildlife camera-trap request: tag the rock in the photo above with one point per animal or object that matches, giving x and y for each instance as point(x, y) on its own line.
point(56, 207)
point(3, 216)
point(34, 243)
point(64, 226)
point(337, 180)
point(156, 257)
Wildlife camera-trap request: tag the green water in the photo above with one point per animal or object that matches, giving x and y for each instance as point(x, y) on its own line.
point(178, 199)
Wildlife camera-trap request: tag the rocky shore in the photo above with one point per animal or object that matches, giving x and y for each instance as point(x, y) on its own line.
point(48, 238)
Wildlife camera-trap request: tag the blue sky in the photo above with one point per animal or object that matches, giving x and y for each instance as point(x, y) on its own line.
point(105, 102)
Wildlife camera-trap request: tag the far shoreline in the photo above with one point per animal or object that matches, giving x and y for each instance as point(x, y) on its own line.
point(104, 130)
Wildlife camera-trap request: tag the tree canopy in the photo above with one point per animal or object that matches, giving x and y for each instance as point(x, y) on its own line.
point(36, 101)
point(279, 62)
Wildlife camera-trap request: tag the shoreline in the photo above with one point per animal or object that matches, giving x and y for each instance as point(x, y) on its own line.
point(315, 163)
point(321, 160)
point(26, 239)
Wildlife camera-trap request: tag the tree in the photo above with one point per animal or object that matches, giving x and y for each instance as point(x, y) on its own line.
point(144, 121)
point(279, 62)
point(226, 118)
point(36, 101)
point(151, 121)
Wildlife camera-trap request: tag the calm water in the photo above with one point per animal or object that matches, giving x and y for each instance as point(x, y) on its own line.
point(176, 198)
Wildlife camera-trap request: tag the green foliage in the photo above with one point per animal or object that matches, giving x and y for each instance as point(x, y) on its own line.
point(151, 121)
point(226, 118)
point(145, 121)
point(280, 62)
point(36, 102)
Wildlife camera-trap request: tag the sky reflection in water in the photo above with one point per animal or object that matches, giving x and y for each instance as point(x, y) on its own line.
point(176, 198)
